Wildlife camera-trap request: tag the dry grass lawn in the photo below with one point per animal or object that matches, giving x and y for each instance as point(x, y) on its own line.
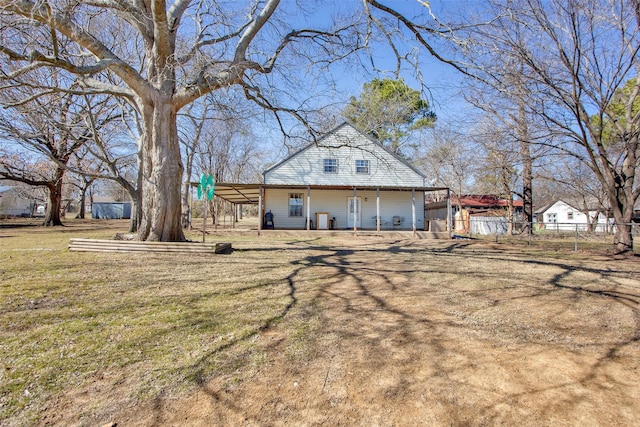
point(315, 331)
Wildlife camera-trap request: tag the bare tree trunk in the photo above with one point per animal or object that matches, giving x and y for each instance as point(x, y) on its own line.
point(86, 184)
point(186, 215)
point(622, 214)
point(594, 220)
point(622, 195)
point(527, 161)
point(623, 239)
point(161, 175)
point(527, 183)
point(136, 198)
point(134, 221)
point(136, 211)
point(510, 215)
point(52, 216)
point(186, 194)
point(83, 203)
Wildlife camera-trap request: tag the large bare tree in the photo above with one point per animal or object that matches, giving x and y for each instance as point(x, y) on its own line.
point(39, 139)
point(502, 96)
point(162, 56)
point(575, 57)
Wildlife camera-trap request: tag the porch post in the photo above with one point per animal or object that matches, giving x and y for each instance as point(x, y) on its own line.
point(413, 210)
point(355, 210)
point(259, 210)
point(234, 209)
point(378, 210)
point(308, 208)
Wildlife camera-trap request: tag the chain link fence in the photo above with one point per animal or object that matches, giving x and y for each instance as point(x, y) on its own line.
point(550, 235)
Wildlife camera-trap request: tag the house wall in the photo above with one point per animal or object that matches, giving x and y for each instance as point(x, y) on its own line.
point(556, 217)
point(346, 145)
point(335, 202)
point(12, 205)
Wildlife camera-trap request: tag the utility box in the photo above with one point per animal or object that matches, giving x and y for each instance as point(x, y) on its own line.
point(322, 220)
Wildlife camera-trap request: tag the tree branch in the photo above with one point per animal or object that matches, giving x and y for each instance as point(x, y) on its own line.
point(253, 29)
point(106, 58)
point(417, 30)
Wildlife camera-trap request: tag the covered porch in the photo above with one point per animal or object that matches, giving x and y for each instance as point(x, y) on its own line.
point(362, 209)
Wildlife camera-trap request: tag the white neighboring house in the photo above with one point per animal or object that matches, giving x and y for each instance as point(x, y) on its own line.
point(13, 204)
point(560, 215)
point(345, 180)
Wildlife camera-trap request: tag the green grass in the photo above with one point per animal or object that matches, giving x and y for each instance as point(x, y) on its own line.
point(126, 328)
point(168, 320)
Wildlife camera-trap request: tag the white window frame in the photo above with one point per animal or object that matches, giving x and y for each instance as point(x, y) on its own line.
point(363, 167)
point(298, 206)
point(330, 165)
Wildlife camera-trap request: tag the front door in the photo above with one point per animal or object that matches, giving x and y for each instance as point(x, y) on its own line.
point(354, 205)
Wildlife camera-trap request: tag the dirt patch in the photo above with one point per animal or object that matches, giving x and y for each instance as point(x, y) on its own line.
point(424, 337)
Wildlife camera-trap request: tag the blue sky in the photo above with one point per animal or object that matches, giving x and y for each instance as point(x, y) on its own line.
point(441, 80)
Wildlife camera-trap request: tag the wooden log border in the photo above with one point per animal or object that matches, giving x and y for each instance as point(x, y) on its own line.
point(93, 245)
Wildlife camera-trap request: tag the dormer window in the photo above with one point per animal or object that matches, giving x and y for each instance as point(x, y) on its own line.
point(330, 165)
point(362, 166)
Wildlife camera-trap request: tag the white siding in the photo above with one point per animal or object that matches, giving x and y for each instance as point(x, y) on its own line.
point(556, 217)
point(347, 145)
point(335, 202)
point(11, 204)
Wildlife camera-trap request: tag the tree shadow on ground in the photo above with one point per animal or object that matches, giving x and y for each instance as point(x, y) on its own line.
point(472, 347)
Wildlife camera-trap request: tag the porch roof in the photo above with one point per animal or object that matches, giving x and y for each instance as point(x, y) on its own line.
point(250, 193)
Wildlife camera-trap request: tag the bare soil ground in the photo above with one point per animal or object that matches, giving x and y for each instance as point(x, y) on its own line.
point(400, 332)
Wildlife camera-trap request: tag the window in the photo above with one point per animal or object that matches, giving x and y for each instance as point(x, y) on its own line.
point(330, 165)
point(362, 166)
point(552, 217)
point(295, 204)
point(570, 215)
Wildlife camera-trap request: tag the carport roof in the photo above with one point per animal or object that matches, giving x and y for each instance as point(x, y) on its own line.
point(250, 193)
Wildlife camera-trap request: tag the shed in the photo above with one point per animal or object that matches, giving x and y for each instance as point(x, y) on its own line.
point(111, 210)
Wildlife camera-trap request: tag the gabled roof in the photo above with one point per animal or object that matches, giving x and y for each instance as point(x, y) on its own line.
point(546, 207)
point(543, 208)
point(335, 130)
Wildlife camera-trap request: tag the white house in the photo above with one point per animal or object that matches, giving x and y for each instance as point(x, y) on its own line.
point(343, 181)
point(562, 216)
point(13, 204)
